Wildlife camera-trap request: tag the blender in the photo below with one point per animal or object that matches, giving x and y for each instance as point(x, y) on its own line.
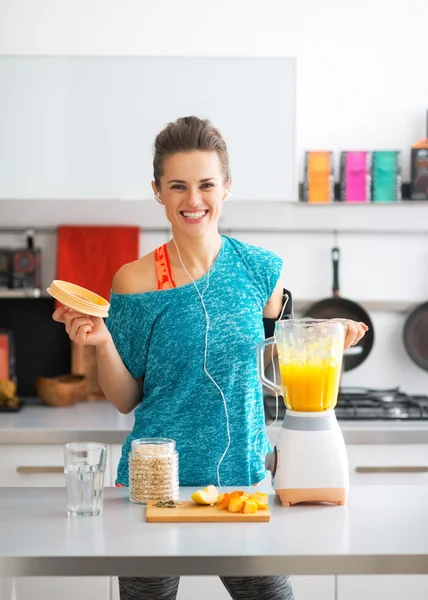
point(309, 461)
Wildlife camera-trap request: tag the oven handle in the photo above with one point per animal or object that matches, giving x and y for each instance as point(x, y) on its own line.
point(392, 469)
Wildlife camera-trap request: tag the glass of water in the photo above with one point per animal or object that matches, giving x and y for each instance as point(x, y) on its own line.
point(84, 468)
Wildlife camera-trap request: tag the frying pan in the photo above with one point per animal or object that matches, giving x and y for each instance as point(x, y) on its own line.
point(415, 335)
point(337, 307)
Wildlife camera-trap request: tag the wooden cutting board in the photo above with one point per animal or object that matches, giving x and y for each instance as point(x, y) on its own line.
point(189, 512)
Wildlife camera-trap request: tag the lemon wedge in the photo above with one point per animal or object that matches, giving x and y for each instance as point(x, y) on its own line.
point(208, 495)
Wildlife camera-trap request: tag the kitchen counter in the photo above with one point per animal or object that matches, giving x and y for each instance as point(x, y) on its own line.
point(101, 422)
point(382, 530)
point(37, 423)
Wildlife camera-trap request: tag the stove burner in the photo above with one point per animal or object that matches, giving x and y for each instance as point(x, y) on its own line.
point(364, 404)
point(396, 412)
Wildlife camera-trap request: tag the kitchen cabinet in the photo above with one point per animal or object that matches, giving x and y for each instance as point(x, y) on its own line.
point(43, 466)
point(76, 132)
point(64, 588)
point(305, 587)
point(311, 587)
point(382, 587)
point(388, 464)
point(37, 466)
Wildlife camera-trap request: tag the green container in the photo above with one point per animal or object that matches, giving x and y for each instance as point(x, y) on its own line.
point(386, 176)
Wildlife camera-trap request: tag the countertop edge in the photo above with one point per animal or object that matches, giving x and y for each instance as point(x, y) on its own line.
point(364, 564)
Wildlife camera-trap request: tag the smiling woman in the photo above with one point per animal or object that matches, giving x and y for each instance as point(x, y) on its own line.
point(180, 342)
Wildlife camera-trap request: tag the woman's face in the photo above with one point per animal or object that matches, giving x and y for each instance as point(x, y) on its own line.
point(192, 190)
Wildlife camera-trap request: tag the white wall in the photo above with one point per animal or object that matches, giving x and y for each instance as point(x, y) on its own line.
point(360, 86)
point(361, 65)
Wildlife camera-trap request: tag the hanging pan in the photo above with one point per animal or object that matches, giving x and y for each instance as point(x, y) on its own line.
point(415, 335)
point(337, 307)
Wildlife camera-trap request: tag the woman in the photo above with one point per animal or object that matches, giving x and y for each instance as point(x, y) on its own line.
point(179, 345)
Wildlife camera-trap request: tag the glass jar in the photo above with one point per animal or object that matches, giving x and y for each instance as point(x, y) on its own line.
point(153, 470)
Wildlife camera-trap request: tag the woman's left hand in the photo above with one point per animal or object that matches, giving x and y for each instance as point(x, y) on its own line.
point(355, 330)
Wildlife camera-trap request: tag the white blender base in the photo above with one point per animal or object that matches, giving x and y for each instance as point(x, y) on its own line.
point(311, 460)
point(313, 495)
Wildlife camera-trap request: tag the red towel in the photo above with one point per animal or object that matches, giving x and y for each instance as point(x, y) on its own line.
point(90, 255)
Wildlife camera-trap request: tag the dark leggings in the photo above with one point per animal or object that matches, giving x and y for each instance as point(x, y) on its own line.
point(239, 588)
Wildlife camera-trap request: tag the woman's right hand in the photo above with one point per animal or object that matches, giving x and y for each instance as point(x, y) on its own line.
point(83, 330)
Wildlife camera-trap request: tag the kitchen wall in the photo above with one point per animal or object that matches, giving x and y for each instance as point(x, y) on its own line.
point(359, 87)
point(360, 65)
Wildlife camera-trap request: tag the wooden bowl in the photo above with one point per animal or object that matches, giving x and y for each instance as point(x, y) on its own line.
point(64, 390)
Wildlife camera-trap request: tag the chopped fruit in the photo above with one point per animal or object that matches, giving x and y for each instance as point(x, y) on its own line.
point(250, 506)
point(236, 494)
point(260, 505)
point(239, 501)
point(260, 499)
point(260, 496)
point(236, 504)
point(207, 496)
point(223, 501)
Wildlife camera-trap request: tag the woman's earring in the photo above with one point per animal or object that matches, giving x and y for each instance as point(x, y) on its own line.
point(158, 198)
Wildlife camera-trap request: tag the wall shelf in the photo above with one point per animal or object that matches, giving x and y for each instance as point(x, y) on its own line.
point(22, 293)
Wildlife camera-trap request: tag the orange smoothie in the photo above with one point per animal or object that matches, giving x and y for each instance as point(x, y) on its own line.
point(310, 387)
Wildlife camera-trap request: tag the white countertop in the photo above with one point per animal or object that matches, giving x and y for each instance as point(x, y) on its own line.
point(382, 530)
point(37, 423)
point(101, 422)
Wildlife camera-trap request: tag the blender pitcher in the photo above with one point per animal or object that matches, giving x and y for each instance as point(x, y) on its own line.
point(309, 462)
point(310, 353)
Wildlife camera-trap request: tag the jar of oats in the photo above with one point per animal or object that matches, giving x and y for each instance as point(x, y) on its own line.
point(153, 470)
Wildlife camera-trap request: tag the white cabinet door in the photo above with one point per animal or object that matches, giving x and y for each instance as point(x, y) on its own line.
point(36, 466)
point(313, 587)
point(388, 464)
point(62, 588)
point(115, 588)
point(202, 588)
point(382, 587)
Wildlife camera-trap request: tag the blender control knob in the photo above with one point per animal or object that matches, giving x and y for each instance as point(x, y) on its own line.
point(271, 461)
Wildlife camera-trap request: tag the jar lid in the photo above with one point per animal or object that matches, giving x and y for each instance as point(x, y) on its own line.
point(153, 446)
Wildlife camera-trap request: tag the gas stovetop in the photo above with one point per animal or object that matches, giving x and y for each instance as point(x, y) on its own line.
point(363, 404)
